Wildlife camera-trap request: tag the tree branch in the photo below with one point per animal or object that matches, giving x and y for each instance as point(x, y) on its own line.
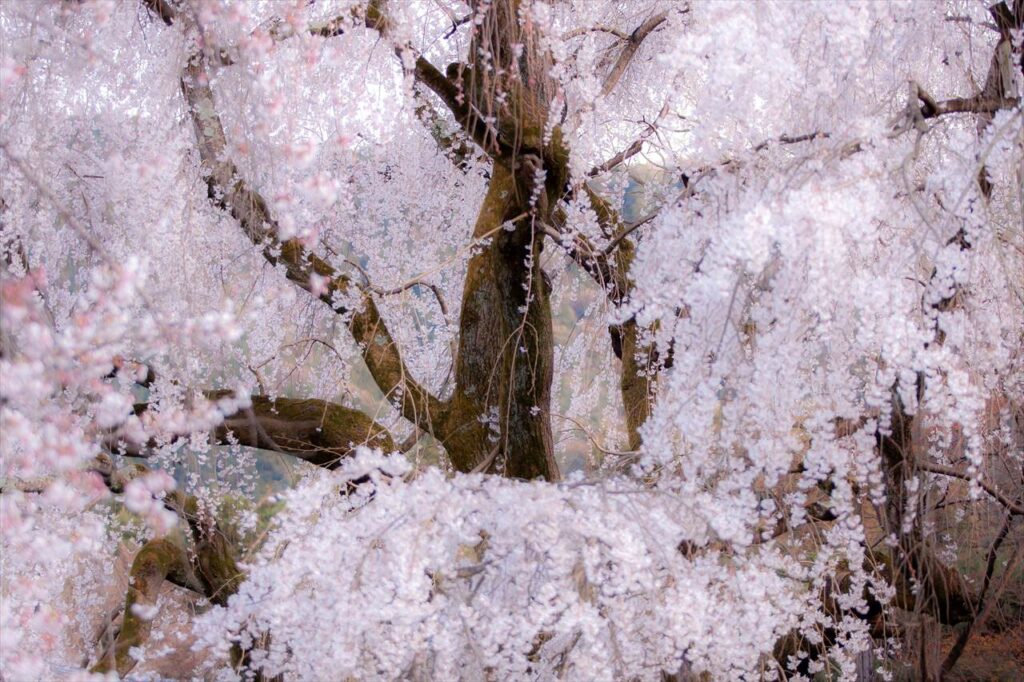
point(1014, 508)
point(964, 105)
point(209, 567)
point(427, 74)
point(157, 561)
point(630, 151)
point(316, 431)
point(629, 51)
point(597, 28)
point(981, 606)
point(309, 271)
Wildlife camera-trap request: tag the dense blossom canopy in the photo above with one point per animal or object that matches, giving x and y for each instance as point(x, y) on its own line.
point(507, 339)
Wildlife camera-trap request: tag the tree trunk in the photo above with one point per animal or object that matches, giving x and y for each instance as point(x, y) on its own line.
point(501, 407)
point(499, 417)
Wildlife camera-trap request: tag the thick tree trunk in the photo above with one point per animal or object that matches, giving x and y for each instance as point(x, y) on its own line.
point(499, 417)
point(501, 407)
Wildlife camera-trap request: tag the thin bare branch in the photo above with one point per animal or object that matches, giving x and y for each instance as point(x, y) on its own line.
point(982, 606)
point(1015, 508)
point(597, 28)
point(630, 151)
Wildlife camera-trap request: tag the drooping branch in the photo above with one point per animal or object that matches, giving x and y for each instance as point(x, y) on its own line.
point(309, 271)
point(922, 581)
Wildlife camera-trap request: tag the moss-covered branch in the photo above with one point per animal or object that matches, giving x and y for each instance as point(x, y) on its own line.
point(313, 430)
point(316, 431)
point(201, 558)
point(158, 560)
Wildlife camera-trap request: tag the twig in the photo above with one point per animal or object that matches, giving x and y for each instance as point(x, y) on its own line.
point(1015, 509)
point(630, 151)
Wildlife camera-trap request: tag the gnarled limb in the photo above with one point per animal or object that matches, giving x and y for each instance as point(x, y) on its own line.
point(158, 560)
point(636, 38)
point(316, 431)
point(379, 350)
point(214, 562)
point(209, 567)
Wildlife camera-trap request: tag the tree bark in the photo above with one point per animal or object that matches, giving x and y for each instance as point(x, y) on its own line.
point(158, 560)
point(500, 413)
point(316, 431)
point(227, 189)
point(505, 360)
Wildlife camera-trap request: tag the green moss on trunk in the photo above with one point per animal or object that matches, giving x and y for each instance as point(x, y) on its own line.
point(506, 353)
point(156, 561)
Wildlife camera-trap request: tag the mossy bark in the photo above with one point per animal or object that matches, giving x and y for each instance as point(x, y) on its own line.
point(317, 431)
point(301, 266)
point(500, 410)
point(506, 354)
point(637, 380)
point(158, 560)
point(631, 342)
point(499, 413)
point(209, 567)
